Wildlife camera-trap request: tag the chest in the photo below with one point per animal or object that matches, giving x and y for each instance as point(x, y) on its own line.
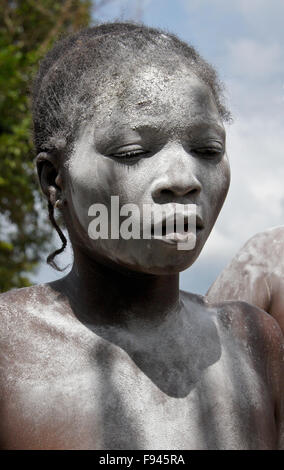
point(99, 398)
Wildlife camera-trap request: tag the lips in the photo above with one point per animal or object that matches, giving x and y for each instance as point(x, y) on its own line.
point(178, 224)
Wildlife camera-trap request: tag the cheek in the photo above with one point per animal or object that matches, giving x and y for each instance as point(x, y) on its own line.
point(216, 187)
point(225, 174)
point(89, 182)
point(95, 180)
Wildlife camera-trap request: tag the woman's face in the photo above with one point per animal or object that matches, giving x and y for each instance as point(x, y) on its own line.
point(157, 140)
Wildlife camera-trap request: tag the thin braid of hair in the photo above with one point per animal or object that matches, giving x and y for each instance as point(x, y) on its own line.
point(50, 258)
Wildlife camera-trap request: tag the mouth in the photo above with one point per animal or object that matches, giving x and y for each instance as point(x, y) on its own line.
point(179, 230)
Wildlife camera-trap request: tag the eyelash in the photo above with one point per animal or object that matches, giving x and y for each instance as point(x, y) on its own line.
point(130, 154)
point(210, 152)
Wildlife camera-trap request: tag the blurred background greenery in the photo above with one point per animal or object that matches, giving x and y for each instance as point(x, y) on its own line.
point(28, 28)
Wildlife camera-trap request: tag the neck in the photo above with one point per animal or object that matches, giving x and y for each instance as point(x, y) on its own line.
point(99, 293)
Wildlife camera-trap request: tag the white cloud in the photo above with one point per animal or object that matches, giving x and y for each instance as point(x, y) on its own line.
point(262, 15)
point(246, 7)
point(253, 59)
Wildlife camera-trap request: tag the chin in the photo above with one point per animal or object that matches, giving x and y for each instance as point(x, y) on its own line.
point(157, 261)
point(143, 256)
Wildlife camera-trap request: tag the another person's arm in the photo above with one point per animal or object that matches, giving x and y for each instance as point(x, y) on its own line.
point(256, 275)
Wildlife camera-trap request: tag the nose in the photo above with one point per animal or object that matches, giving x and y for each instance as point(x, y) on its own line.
point(178, 177)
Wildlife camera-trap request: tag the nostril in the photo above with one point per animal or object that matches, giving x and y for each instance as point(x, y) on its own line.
point(179, 191)
point(194, 191)
point(166, 192)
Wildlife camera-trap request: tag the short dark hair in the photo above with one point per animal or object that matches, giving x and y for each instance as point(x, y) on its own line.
point(61, 97)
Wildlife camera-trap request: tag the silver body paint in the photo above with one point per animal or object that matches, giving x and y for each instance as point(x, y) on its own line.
point(114, 356)
point(191, 383)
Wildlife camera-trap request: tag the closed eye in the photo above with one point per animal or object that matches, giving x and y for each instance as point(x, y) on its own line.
point(129, 154)
point(208, 152)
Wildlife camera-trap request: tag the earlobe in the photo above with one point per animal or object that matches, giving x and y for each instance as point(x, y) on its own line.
point(49, 177)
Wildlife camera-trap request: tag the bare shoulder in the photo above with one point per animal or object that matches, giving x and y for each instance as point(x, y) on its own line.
point(241, 317)
point(253, 328)
point(17, 299)
point(21, 307)
point(257, 331)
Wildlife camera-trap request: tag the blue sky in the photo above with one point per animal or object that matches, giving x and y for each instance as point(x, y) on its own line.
point(244, 39)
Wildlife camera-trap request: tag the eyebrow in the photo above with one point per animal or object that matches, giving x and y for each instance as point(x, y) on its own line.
point(139, 129)
point(208, 125)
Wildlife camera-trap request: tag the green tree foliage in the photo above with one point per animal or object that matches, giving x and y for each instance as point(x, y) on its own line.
point(28, 29)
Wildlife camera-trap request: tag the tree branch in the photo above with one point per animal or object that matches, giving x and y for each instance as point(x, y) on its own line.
point(55, 30)
point(40, 8)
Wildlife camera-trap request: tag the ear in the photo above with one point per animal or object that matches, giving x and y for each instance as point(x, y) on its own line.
point(49, 176)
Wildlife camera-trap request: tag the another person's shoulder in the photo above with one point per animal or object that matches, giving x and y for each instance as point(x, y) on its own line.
point(266, 240)
point(248, 274)
point(274, 234)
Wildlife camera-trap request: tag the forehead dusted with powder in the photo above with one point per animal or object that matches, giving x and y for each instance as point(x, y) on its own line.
point(154, 87)
point(149, 96)
point(83, 70)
